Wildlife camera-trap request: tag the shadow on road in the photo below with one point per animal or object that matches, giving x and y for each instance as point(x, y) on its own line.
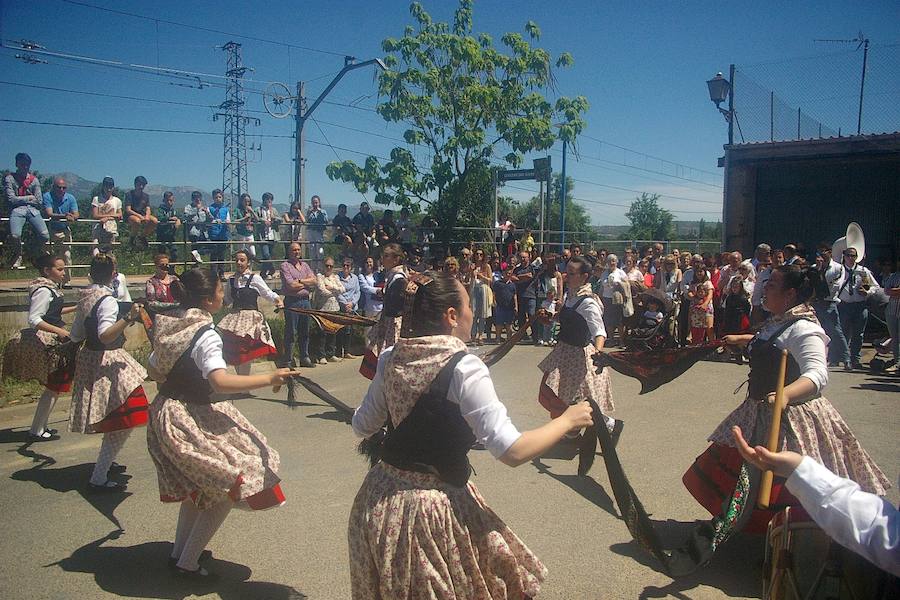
point(878, 387)
point(720, 573)
point(75, 479)
point(23, 438)
point(141, 571)
point(585, 486)
point(332, 415)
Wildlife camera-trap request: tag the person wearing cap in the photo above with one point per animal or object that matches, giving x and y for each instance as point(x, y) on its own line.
point(141, 221)
point(858, 285)
point(106, 208)
point(61, 208)
point(25, 201)
point(196, 217)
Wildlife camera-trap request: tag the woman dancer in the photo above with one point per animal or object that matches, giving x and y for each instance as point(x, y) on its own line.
point(107, 395)
point(36, 353)
point(244, 331)
point(810, 424)
point(207, 455)
point(387, 330)
point(418, 523)
point(569, 372)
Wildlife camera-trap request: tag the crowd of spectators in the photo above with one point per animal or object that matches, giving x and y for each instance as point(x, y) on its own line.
point(698, 297)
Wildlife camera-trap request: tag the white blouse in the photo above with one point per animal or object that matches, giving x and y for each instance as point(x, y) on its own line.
point(253, 281)
point(206, 353)
point(592, 312)
point(471, 388)
point(807, 343)
point(40, 303)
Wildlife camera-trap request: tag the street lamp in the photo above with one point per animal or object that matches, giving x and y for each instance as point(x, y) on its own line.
point(721, 89)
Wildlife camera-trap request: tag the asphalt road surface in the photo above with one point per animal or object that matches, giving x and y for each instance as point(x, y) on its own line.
point(62, 542)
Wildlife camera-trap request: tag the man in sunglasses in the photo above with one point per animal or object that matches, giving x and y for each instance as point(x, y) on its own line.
point(61, 208)
point(25, 202)
point(859, 284)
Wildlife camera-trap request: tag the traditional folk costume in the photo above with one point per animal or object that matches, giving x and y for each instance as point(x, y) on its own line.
point(386, 331)
point(207, 455)
point(244, 331)
point(107, 395)
point(418, 526)
point(569, 372)
point(40, 355)
point(720, 480)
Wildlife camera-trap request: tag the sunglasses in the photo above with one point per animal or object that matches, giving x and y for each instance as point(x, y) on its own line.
point(329, 266)
point(60, 187)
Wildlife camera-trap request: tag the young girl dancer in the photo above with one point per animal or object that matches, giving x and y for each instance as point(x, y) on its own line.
point(36, 353)
point(418, 526)
point(386, 331)
point(569, 371)
point(244, 331)
point(207, 455)
point(107, 396)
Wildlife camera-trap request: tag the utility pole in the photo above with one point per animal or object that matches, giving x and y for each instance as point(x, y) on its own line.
point(862, 83)
point(234, 164)
point(302, 113)
point(562, 201)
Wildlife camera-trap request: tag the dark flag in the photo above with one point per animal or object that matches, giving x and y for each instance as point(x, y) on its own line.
point(655, 367)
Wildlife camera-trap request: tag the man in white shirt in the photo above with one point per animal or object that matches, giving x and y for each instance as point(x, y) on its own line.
point(858, 285)
point(865, 523)
point(831, 276)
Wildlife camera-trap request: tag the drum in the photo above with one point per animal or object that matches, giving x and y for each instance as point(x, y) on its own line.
point(803, 563)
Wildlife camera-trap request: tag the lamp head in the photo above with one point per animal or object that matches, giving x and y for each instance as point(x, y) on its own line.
point(719, 88)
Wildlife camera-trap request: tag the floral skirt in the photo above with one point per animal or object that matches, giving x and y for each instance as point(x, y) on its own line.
point(107, 387)
point(413, 536)
point(570, 374)
point(38, 356)
point(210, 453)
point(245, 337)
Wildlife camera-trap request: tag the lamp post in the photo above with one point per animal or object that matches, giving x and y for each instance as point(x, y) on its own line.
point(721, 89)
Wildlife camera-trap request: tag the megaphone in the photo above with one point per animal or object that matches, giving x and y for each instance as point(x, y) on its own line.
point(854, 239)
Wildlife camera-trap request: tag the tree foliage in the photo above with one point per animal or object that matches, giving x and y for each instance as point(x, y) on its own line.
point(529, 213)
point(648, 220)
point(463, 100)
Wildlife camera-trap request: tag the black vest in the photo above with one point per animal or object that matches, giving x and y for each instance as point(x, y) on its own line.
point(434, 437)
point(185, 381)
point(92, 338)
point(394, 296)
point(573, 328)
point(765, 360)
point(53, 316)
point(243, 298)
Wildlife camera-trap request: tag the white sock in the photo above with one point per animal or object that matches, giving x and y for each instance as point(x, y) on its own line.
point(205, 527)
point(187, 517)
point(242, 369)
point(42, 412)
point(68, 257)
point(112, 443)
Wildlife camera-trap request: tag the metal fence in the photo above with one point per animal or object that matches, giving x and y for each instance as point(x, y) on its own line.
point(818, 96)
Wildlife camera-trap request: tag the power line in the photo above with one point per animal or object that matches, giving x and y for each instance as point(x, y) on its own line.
point(624, 189)
point(201, 28)
point(596, 139)
point(579, 157)
point(619, 205)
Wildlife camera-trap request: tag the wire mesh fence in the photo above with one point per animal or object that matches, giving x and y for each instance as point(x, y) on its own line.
point(818, 96)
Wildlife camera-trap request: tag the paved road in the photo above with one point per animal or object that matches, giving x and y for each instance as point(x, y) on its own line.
point(62, 543)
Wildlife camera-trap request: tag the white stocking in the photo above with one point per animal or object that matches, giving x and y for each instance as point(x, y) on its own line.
point(112, 443)
point(610, 422)
point(205, 527)
point(187, 517)
point(42, 412)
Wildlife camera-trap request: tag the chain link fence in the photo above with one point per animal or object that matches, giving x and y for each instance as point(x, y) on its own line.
point(818, 96)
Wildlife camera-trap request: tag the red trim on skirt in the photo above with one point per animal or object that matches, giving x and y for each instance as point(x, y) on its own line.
point(267, 498)
point(132, 413)
point(369, 365)
point(549, 400)
point(60, 380)
point(238, 350)
point(711, 481)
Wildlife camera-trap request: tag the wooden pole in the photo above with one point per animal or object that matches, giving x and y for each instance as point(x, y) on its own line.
point(765, 488)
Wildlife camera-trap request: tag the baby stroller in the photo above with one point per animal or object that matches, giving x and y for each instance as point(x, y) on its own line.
point(640, 338)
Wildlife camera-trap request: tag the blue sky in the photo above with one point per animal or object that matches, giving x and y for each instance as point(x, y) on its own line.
point(642, 66)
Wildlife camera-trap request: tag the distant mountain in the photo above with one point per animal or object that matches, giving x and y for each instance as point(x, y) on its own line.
point(83, 188)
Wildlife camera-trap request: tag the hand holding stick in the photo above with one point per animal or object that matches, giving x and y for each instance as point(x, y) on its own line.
point(765, 489)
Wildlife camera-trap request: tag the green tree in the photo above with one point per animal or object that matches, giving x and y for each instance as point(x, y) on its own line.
point(648, 220)
point(464, 100)
point(577, 219)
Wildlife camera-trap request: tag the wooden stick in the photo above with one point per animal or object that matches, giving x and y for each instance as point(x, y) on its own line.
point(765, 489)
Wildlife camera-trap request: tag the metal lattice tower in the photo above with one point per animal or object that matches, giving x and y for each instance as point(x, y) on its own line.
point(234, 166)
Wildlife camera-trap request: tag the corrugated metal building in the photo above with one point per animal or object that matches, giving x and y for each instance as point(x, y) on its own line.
point(807, 191)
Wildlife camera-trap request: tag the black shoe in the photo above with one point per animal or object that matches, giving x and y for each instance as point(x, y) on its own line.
point(204, 556)
point(856, 366)
point(848, 367)
point(44, 436)
point(616, 433)
point(201, 575)
point(117, 468)
point(306, 362)
point(110, 487)
point(51, 431)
